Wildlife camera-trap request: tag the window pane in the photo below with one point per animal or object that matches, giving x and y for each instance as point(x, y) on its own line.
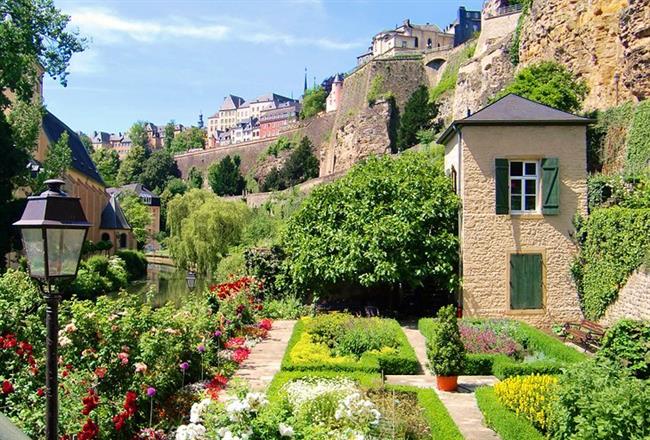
point(531, 169)
point(63, 249)
point(531, 187)
point(530, 203)
point(34, 250)
point(515, 203)
point(516, 168)
point(515, 186)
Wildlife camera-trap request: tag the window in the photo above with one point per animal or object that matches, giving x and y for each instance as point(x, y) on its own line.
point(429, 43)
point(416, 41)
point(106, 237)
point(123, 240)
point(403, 43)
point(524, 184)
point(526, 289)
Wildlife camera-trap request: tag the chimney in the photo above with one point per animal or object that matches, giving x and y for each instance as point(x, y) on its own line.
point(407, 23)
point(469, 113)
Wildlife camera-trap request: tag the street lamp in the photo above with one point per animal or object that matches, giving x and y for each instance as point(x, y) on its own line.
point(191, 280)
point(54, 228)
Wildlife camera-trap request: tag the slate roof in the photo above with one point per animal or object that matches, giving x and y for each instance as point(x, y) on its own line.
point(81, 161)
point(515, 110)
point(272, 97)
point(140, 190)
point(112, 215)
point(100, 137)
point(231, 102)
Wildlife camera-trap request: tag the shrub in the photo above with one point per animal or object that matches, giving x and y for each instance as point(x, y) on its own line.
point(529, 396)
point(506, 423)
point(597, 400)
point(445, 348)
point(313, 102)
point(628, 343)
point(225, 177)
point(486, 341)
point(328, 329)
point(366, 334)
point(288, 307)
point(135, 263)
point(418, 115)
point(638, 145)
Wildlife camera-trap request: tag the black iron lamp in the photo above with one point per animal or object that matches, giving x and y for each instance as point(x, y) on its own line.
point(54, 228)
point(191, 280)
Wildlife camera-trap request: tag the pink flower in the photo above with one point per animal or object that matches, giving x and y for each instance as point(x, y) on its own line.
point(124, 357)
point(184, 366)
point(140, 367)
point(151, 391)
point(201, 348)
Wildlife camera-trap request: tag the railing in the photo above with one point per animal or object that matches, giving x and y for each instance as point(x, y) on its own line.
point(505, 10)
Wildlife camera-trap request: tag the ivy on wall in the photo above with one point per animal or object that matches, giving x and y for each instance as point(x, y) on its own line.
point(516, 41)
point(638, 142)
point(449, 76)
point(614, 242)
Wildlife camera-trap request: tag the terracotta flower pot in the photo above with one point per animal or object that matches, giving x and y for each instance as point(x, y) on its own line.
point(447, 383)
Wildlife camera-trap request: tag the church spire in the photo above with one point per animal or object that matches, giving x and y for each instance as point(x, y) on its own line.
point(201, 119)
point(305, 89)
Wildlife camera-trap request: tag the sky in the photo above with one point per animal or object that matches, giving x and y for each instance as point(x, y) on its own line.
point(171, 60)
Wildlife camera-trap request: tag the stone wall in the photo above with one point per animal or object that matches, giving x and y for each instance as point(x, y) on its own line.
point(633, 300)
point(494, 29)
point(586, 36)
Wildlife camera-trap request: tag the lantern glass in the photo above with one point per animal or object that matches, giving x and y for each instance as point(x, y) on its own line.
point(35, 251)
point(63, 250)
point(191, 280)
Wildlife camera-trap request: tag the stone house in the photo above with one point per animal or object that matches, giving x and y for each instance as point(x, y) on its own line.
point(148, 198)
point(520, 170)
point(410, 37)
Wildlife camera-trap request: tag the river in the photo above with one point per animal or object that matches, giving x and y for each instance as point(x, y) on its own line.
point(168, 282)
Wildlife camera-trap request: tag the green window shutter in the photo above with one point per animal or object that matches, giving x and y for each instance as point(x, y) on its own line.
point(502, 186)
point(551, 186)
point(526, 281)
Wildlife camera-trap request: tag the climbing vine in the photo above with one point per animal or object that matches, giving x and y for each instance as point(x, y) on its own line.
point(516, 41)
point(638, 142)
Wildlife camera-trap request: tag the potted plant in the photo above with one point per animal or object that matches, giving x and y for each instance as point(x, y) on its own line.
point(446, 350)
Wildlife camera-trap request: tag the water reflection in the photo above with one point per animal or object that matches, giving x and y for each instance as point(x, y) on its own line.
point(169, 284)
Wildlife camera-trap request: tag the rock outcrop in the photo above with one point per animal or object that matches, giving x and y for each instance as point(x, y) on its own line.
point(635, 37)
point(585, 36)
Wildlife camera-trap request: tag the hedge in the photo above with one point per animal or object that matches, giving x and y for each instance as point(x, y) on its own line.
point(506, 423)
point(136, 263)
point(435, 413)
point(404, 362)
point(502, 366)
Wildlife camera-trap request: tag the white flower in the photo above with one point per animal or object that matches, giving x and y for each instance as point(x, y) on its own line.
point(64, 341)
point(70, 328)
point(192, 431)
point(197, 410)
point(285, 430)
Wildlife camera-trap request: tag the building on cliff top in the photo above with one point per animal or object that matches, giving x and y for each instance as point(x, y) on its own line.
point(335, 95)
point(520, 170)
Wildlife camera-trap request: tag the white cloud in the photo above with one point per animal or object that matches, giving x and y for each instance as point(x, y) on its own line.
point(104, 26)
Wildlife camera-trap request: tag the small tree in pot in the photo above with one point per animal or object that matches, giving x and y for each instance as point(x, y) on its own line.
point(446, 350)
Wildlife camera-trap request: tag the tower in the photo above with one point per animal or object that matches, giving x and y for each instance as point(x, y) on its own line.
point(201, 120)
point(305, 89)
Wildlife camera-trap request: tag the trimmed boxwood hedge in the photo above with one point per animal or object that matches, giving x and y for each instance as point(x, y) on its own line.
point(403, 362)
point(506, 423)
point(502, 366)
point(435, 413)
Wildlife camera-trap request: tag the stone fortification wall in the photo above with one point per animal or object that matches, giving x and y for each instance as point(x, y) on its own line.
point(633, 300)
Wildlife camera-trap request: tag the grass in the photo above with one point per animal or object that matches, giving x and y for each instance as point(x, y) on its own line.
point(449, 76)
point(506, 423)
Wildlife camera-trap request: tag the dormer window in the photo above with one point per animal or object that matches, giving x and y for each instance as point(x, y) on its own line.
point(524, 186)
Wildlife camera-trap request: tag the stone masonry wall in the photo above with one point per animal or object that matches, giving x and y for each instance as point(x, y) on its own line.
point(633, 300)
point(488, 239)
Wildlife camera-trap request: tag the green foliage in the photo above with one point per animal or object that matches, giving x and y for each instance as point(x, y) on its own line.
point(281, 144)
point(301, 165)
point(287, 307)
point(441, 424)
point(138, 135)
point(266, 264)
point(195, 178)
point(33, 33)
point(170, 128)
point(202, 228)
point(449, 77)
point(107, 162)
point(137, 214)
point(313, 102)
point(596, 400)
point(98, 275)
point(232, 265)
point(158, 169)
point(627, 343)
point(504, 422)
point(612, 246)
point(607, 137)
point(615, 190)
point(516, 40)
point(548, 83)
point(136, 263)
point(376, 90)
point(445, 349)
point(388, 220)
point(418, 115)
point(132, 166)
point(57, 161)
point(189, 139)
point(225, 178)
point(638, 142)
point(25, 119)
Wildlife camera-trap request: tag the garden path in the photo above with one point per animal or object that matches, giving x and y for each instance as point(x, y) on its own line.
point(461, 405)
point(266, 357)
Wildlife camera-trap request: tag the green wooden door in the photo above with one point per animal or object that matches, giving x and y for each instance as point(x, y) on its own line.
point(526, 281)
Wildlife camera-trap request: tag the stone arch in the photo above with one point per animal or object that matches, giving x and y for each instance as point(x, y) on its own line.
point(106, 236)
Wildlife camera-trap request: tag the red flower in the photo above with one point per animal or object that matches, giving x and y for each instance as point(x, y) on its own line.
point(90, 402)
point(130, 402)
point(240, 355)
point(233, 343)
point(217, 384)
point(266, 324)
point(65, 373)
point(7, 387)
point(100, 372)
point(9, 341)
point(40, 392)
point(89, 431)
point(119, 420)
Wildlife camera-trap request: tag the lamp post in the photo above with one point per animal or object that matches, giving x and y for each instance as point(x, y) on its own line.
point(191, 280)
point(54, 228)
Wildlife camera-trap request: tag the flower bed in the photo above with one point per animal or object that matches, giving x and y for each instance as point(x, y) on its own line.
point(508, 348)
point(341, 342)
point(122, 363)
point(323, 406)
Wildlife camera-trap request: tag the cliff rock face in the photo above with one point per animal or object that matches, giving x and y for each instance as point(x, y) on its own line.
point(635, 37)
point(365, 134)
point(585, 36)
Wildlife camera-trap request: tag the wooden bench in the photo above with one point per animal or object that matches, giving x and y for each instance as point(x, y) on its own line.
point(586, 334)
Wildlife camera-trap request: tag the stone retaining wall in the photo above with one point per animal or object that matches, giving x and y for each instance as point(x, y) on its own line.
point(633, 300)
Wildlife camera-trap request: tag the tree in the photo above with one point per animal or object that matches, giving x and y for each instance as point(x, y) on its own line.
point(418, 115)
point(548, 83)
point(174, 187)
point(137, 214)
point(57, 160)
point(301, 164)
point(273, 181)
point(388, 221)
point(158, 169)
point(313, 102)
point(107, 162)
point(138, 135)
point(189, 139)
point(195, 178)
point(202, 228)
point(87, 142)
point(225, 178)
point(170, 129)
point(132, 165)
